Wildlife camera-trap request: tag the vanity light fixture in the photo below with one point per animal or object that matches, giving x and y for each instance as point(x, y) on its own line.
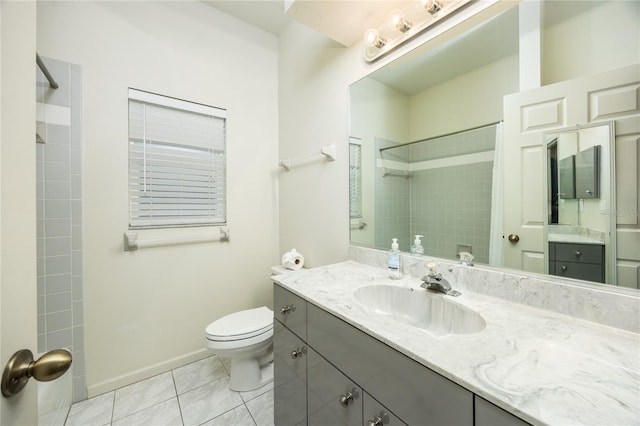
point(404, 24)
point(372, 39)
point(397, 21)
point(432, 6)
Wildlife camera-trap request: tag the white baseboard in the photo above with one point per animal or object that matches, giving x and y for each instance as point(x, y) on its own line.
point(145, 373)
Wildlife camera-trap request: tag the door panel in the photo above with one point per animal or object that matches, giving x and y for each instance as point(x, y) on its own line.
point(528, 115)
point(17, 199)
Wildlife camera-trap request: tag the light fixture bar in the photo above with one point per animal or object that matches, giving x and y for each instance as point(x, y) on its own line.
point(407, 23)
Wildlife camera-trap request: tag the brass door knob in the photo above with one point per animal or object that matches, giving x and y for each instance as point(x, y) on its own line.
point(513, 238)
point(21, 367)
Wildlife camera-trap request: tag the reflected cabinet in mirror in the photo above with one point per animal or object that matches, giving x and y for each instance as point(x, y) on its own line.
point(454, 143)
point(580, 196)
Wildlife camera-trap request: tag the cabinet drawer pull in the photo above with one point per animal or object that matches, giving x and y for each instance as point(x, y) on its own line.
point(288, 309)
point(564, 267)
point(379, 420)
point(578, 253)
point(348, 397)
point(297, 353)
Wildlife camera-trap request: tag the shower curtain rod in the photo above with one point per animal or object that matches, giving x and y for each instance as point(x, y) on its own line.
point(45, 71)
point(441, 136)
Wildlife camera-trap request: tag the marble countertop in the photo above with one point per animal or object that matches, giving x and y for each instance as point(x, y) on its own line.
point(542, 366)
point(573, 238)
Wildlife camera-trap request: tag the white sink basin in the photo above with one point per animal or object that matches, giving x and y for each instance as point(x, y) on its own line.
point(435, 313)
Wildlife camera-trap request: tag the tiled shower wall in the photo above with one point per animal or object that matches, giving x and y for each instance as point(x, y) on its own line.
point(59, 217)
point(450, 203)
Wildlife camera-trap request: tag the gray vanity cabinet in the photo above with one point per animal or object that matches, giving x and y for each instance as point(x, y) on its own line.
point(333, 398)
point(328, 372)
point(487, 414)
point(575, 260)
point(416, 394)
point(289, 377)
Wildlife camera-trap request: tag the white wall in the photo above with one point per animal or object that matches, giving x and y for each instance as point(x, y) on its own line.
point(314, 74)
point(146, 311)
point(470, 100)
point(587, 43)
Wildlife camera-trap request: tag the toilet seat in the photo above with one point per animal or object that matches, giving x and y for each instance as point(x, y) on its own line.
point(241, 325)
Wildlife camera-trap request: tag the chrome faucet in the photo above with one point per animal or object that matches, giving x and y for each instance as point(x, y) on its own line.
point(435, 282)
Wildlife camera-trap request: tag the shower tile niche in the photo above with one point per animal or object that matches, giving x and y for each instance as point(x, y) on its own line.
point(59, 216)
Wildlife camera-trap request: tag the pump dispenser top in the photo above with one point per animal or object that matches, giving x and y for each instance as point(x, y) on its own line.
point(417, 248)
point(394, 245)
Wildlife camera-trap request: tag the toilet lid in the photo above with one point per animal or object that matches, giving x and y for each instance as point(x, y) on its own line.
point(241, 325)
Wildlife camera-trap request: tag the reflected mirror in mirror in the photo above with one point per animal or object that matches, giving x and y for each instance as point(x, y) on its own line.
point(580, 198)
point(415, 177)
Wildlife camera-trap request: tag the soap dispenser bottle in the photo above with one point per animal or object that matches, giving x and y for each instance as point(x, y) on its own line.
point(393, 261)
point(417, 248)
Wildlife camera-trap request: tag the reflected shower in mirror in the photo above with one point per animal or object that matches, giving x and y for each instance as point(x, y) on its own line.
point(441, 188)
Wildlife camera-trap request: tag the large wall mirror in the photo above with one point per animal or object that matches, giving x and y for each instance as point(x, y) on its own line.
point(427, 129)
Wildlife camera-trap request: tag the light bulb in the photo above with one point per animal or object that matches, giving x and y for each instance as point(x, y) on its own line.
point(432, 6)
point(398, 22)
point(372, 38)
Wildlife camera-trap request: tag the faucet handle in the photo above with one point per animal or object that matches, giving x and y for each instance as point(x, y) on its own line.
point(432, 269)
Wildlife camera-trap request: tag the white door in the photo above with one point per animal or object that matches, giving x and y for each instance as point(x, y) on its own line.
point(528, 115)
point(17, 199)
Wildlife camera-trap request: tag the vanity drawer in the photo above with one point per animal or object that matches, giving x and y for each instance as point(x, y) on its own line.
point(581, 253)
point(290, 310)
point(332, 397)
point(580, 271)
point(416, 394)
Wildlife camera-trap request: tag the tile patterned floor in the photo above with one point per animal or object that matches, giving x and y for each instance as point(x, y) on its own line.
point(195, 394)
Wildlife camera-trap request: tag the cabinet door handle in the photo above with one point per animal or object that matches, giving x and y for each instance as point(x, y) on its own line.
point(287, 309)
point(297, 353)
point(348, 397)
point(564, 268)
point(379, 420)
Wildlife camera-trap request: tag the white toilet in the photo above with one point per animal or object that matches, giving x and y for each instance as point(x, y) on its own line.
point(246, 338)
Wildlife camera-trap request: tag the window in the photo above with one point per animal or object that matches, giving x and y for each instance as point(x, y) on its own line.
point(177, 162)
point(355, 178)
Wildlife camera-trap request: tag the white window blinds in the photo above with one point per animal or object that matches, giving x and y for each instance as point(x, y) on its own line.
point(355, 178)
point(177, 162)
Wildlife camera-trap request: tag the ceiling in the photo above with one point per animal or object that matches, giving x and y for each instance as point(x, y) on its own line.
point(265, 14)
point(344, 21)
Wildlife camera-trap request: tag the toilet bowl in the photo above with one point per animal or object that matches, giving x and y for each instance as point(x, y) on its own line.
point(246, 338)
